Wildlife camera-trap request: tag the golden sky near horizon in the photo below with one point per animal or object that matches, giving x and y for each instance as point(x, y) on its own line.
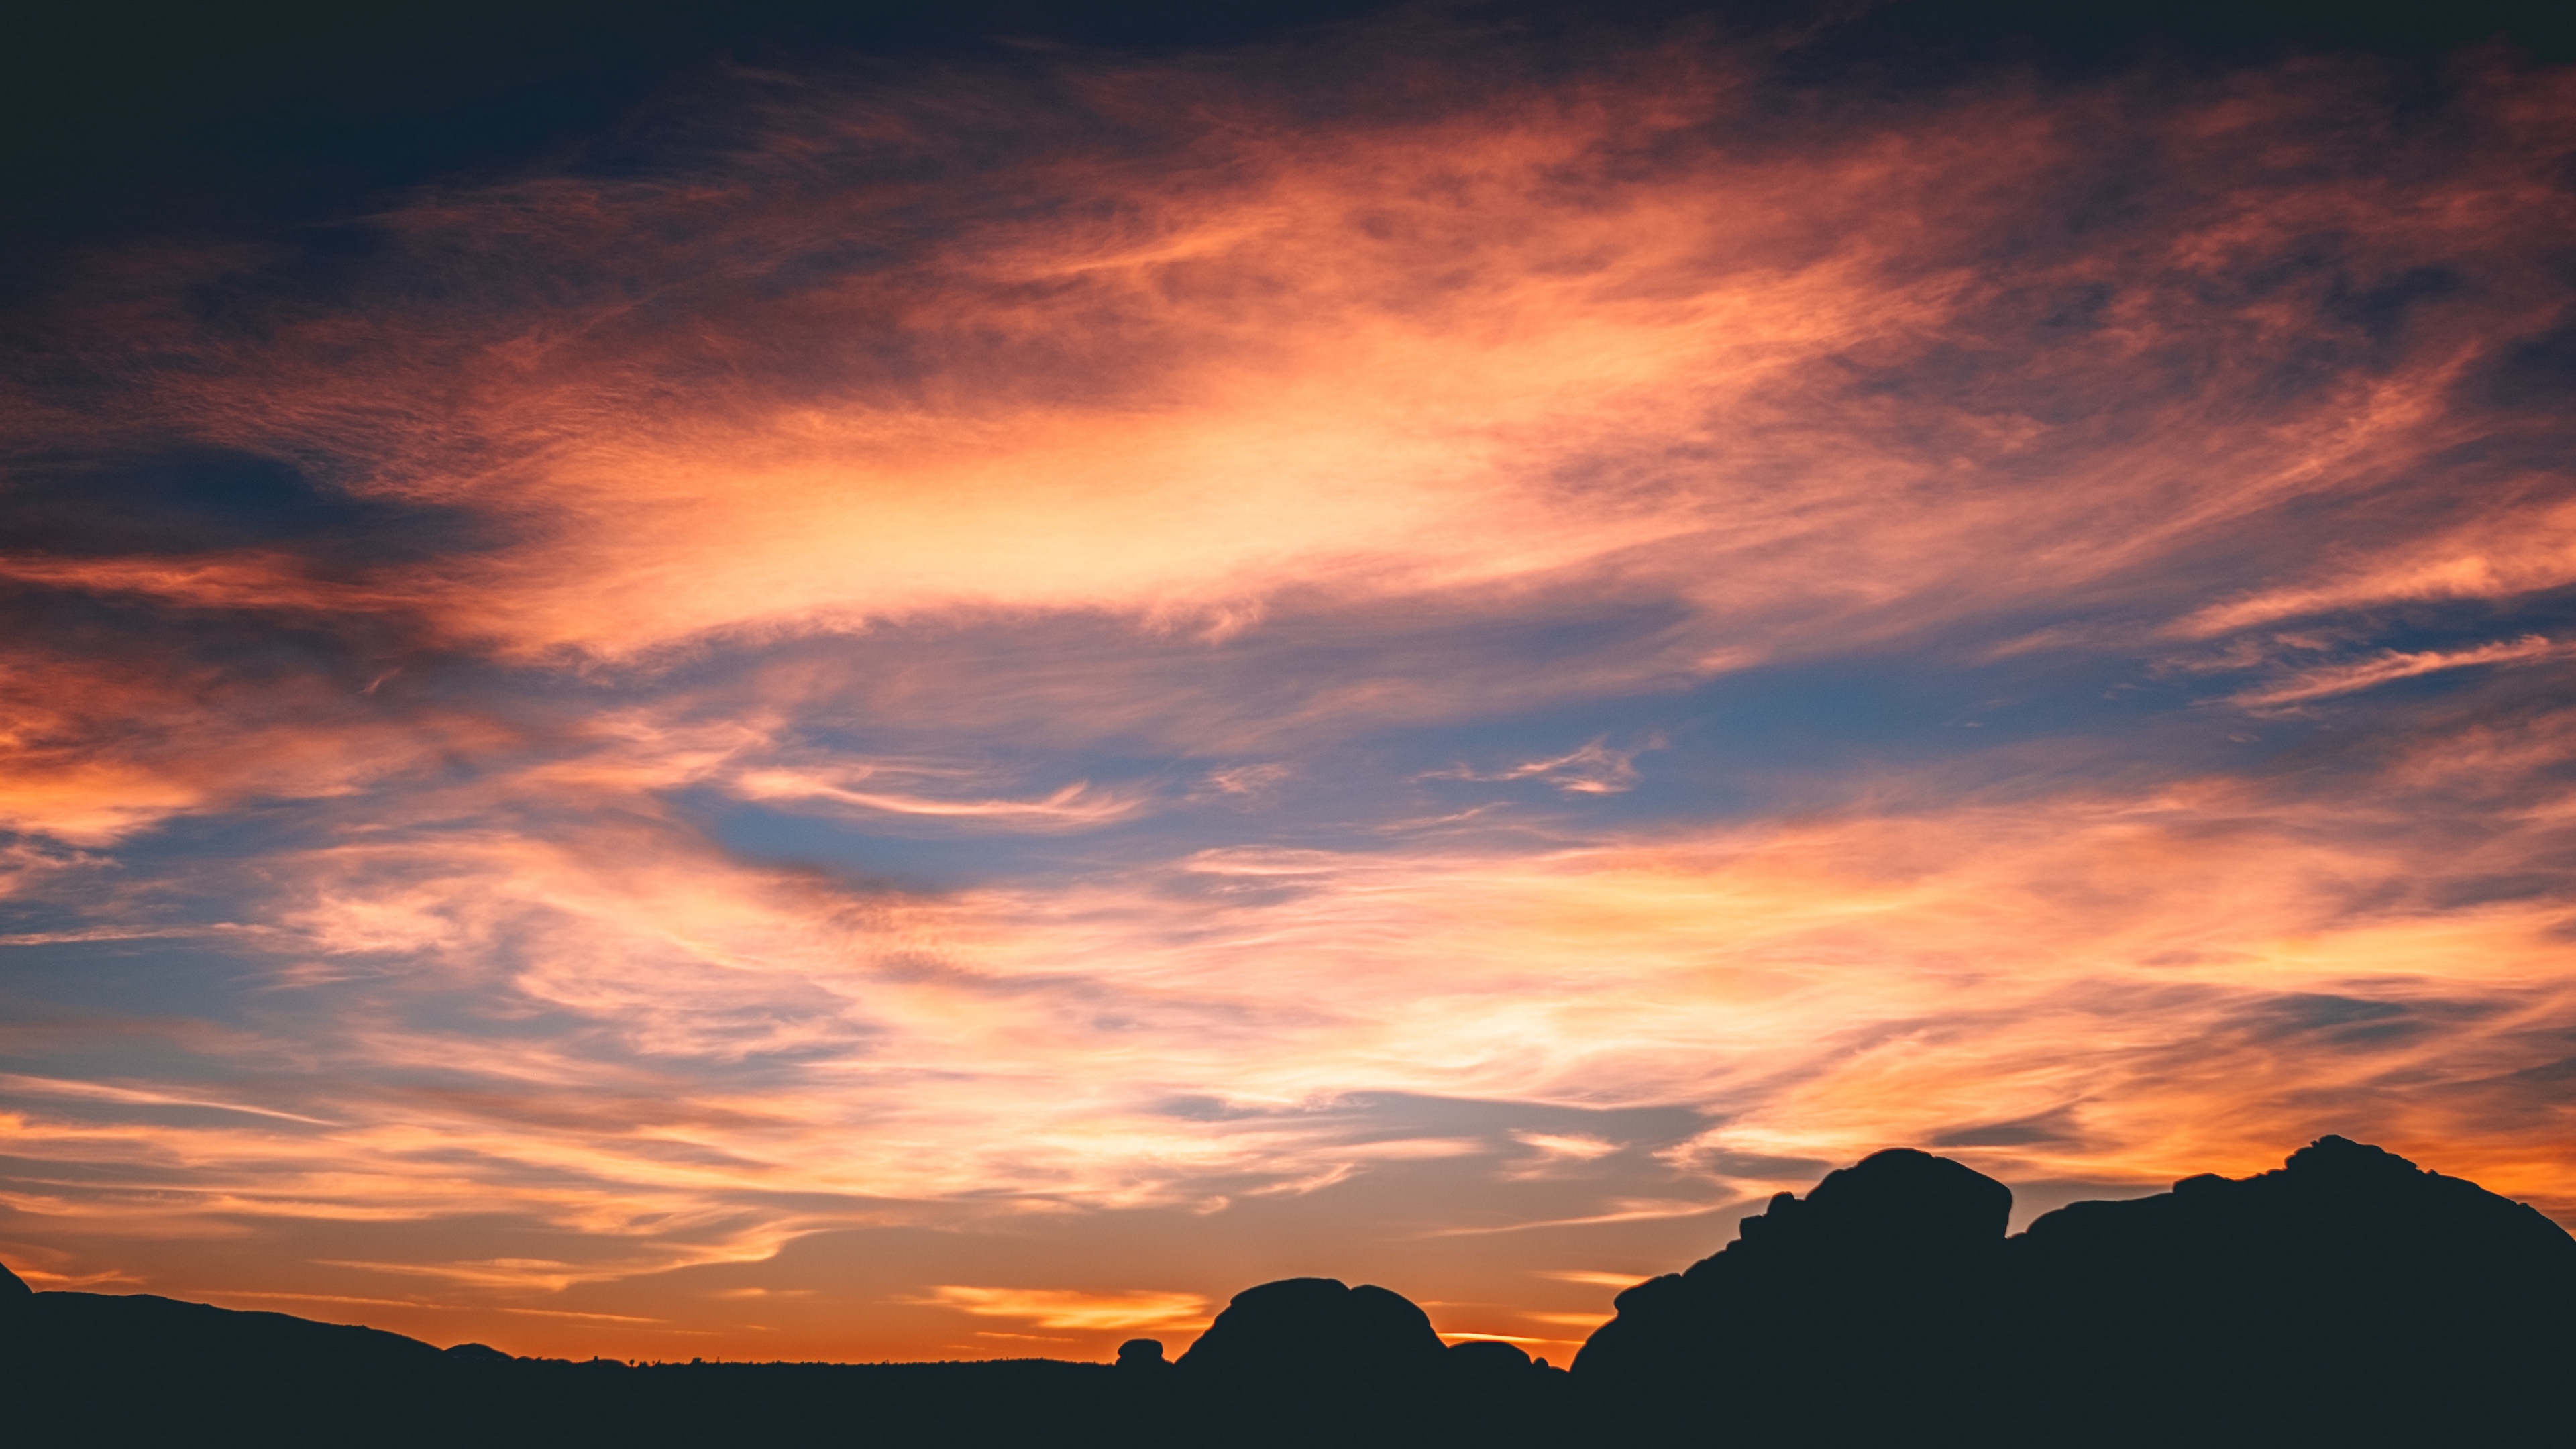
point(963, 711)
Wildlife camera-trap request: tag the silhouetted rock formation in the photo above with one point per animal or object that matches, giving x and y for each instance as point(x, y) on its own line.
point(1307, 1360)
point(1843, 1315)
point(1143, 1353)
point(2346, 1299)
point(1484, 1360)
point(1305, 1328)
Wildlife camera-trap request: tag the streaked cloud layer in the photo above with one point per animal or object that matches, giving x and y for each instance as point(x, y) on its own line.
point(911, 714)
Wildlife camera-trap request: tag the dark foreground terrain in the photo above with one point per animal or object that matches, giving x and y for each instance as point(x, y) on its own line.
point(2347, 1298)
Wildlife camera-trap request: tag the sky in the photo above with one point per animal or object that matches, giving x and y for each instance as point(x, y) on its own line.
point(901, 695)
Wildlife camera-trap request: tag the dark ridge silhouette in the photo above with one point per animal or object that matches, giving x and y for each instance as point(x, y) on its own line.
point(2348, 1298)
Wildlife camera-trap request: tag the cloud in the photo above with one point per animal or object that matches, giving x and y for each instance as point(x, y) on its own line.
point(1065, 1308)
point(1593, 1278)
point(1581, 1149)
point(95, 747)
point(693, 772)
point(697, 1061)
point(239, 581)
point(2326, 681)
point(1551, 1153)
point(2511, 551)
point(1642, 358)
point(1074, 806)
point(1594, 769)
point(104, 1092)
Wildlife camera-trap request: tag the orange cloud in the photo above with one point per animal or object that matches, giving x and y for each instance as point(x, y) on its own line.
point(1535, 335)
point(244, 580)
point(95, 748)
point(1075, 805)
point(2329, 680)
point(1064, 1308)
point(2182, 978)
point(712, 1062)
point(925, 487)
point(2511, 551)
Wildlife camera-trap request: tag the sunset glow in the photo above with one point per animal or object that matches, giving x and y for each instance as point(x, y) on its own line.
point(930, 712)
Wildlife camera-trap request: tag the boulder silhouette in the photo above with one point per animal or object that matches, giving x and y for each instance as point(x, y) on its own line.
point(1142, 1353)
point(1902, 1203)
point(1837, 1318)
point(1496, 1395)
point(1309, 1327)
point(2347, 1296)
point(1484, 1359)
point(1310, 1360)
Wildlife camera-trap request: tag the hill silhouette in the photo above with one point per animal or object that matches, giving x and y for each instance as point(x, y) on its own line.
point(2348, 1297)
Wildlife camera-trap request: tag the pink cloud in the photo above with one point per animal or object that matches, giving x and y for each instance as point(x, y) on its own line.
point(2326, 681)
point(881, 475)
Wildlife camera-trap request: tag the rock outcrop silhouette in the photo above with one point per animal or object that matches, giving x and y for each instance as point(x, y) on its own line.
point(2348, 1298)
point(1143, 1355)
point(1309, 1360)
point(1843, 1314)
point(1301, 1329)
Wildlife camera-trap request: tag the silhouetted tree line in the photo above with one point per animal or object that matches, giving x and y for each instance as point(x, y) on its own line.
point(2347, 1298)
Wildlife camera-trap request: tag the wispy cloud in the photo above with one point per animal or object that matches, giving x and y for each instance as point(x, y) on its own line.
point(2516, 550)
point(255, 581)
point(1594, 769)
point(1065, 1308)
point(1073, 806)
point(105, 1092)
point(2329, 680)
point(900, 670)
point(1594, 1278)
